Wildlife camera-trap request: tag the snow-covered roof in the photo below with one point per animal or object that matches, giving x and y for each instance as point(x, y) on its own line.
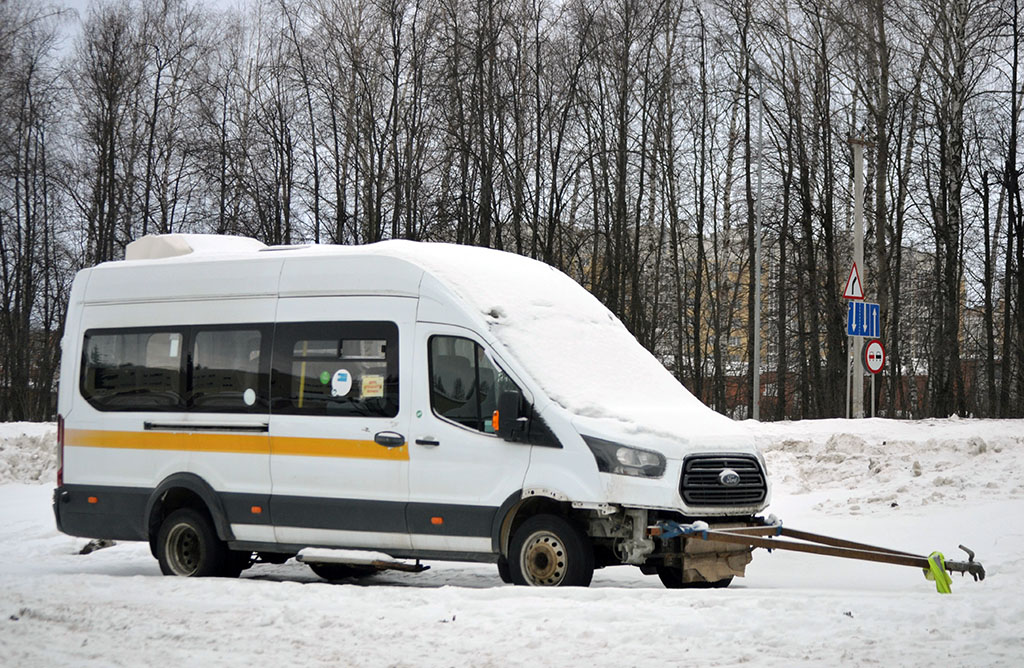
point(582, 356)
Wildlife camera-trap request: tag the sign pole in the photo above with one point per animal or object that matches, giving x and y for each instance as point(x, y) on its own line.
point(849, 360)
point(756, 389)
point(858, 258)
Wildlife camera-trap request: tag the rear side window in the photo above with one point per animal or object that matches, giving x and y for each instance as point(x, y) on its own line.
point(202, 369)
point(336, 369)
point(136, 370)
point(226, 370)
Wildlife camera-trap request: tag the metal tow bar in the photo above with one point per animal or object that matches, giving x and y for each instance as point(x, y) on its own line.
point(767, 536)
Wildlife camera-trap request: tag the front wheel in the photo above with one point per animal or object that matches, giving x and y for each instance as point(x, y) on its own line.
point(187, 546)
point(548, 551)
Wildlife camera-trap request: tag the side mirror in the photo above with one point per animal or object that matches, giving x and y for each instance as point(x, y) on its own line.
point(507, 421)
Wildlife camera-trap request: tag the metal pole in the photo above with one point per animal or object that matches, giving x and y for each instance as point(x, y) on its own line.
point(858, 258)
point(849, 343)
point(757, 251)
point(873, 394)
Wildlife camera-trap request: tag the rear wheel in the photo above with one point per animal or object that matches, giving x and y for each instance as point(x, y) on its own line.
point(672, 578)
point(188, 546)
point(548, 551)
point(341, 571)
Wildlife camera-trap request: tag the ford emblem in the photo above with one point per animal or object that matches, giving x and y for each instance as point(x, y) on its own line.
point(729, 478)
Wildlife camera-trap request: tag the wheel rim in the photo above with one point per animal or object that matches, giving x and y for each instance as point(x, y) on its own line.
point(184, 550)
point(544, 559)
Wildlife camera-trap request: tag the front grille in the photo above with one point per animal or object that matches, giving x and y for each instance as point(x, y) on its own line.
point(701, 485)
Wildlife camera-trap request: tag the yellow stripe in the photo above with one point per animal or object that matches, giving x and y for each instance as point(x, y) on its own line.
point(234, 443)
point(336, 447)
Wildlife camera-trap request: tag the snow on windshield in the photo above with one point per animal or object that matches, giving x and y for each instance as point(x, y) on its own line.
point(574, 347)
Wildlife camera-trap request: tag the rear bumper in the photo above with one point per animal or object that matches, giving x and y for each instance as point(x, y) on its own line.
point(117, 513)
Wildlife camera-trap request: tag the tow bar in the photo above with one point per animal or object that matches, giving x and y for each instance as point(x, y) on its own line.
point(767, 534)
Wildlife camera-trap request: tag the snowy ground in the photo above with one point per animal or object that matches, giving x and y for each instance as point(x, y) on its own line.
point(919, 486)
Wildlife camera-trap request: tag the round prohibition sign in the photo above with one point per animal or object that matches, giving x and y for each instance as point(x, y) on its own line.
point(874, 356)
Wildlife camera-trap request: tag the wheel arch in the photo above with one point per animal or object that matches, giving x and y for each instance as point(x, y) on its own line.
point(185, 490)
point(518, 508)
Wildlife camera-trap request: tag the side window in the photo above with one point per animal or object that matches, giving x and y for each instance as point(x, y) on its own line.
point(133, 370)
point(226, 370)
point(464, 384)
point(336, 368)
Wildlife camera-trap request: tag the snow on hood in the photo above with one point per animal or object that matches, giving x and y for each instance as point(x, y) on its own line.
point(581, 355)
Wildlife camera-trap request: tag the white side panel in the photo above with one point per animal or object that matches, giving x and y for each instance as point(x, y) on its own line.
point(184, 279)
point(234, 472)
point(337, 476)
point(121, 467)
point(257, 533)
point(365, 539)
point(198, 312)
point(451, 543)
point(376, 540)
point(349, 274)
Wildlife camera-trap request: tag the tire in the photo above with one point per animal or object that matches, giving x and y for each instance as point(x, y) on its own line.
point(503, 570)
point(332, 572)
point(548, 551)
point(187, 546)
point(672, 578)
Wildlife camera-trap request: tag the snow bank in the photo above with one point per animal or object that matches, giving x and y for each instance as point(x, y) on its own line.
point(28, 452)
point(894, 463)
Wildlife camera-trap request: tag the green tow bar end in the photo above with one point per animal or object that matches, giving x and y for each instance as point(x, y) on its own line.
point(937, 572)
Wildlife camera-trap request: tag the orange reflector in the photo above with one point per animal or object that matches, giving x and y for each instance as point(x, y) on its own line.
point(494, 421)
point(437, 520)
point(93, 499)
point(256, 510)
point(653, 531)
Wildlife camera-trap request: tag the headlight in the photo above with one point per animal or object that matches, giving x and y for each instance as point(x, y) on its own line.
point(624, 460)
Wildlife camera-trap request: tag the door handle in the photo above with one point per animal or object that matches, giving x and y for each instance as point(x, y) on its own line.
point(429, 442)
point(389, 439)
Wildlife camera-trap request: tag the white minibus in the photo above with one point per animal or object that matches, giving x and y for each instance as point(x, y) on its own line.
point(232, 403)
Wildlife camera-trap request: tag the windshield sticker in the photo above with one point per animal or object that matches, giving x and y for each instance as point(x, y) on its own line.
point(341, 383)
point(325, 377)
point(249, 397)
point(373, 386)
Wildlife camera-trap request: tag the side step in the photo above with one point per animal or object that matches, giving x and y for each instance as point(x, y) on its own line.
point(378, 560)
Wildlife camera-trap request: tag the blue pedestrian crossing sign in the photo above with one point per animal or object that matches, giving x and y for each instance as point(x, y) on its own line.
point(863, 319)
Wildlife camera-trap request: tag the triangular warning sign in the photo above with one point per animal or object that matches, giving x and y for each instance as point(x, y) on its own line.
point(854, 289)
